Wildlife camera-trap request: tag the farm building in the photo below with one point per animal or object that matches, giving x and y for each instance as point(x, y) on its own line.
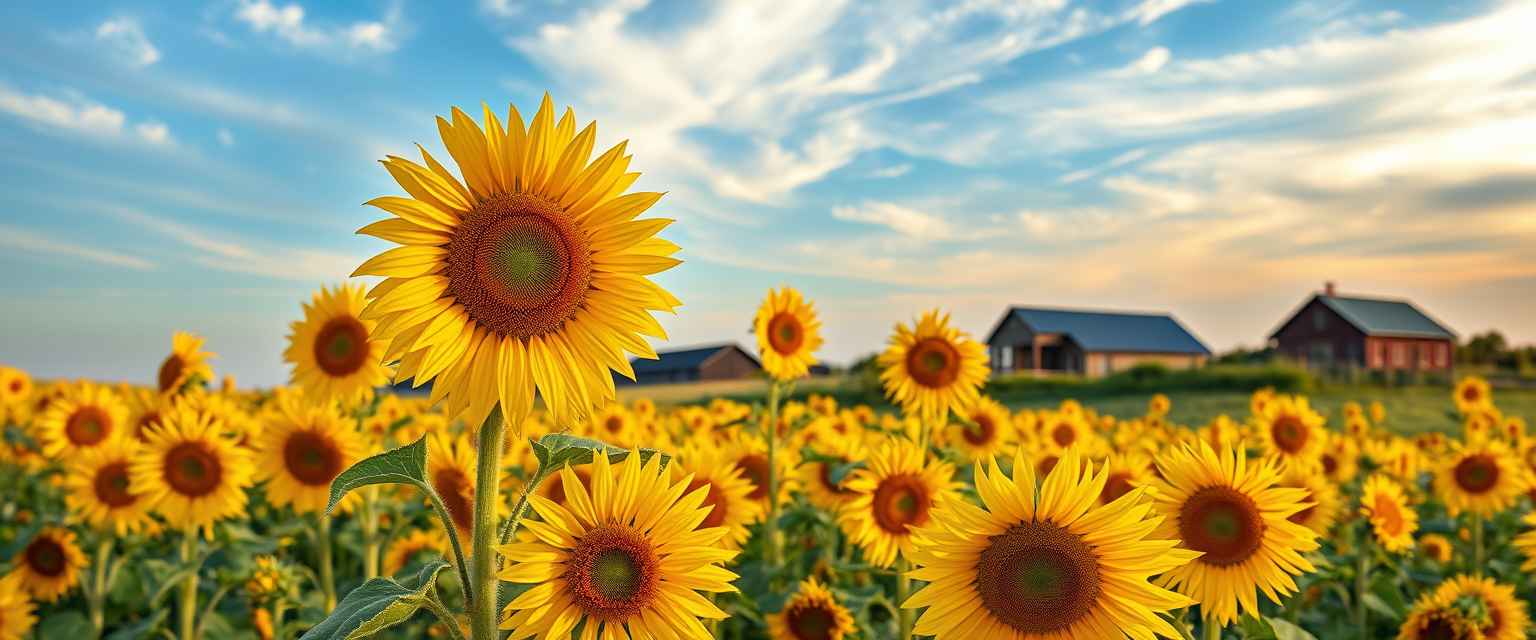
point(1330, 330)
point(712, 362)
point(1092, 343)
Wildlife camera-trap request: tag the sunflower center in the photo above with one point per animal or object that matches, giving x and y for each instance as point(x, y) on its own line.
point(341, 347)
point(519, 265)
point(1470, 393)
point(979, 432)
point(1223, 523)
point(17, 386)
point(193, 470)
point(111, 485)
point(170, 372)
point(1440, 628)
point(714, 499)
point(785, 335)
point(1038, 578)
point(456, 491)
point(46, 556)
point(612, 573)
point(1046, 464)
point(1117, 485)
point(933, 363)
point(615, 424)
point(1330, 464)
point(88, 426)
point(311, 458)
point(1290, 433)
point(1477, 473)
point(811, 622)
point(901, 502)
point(755, 468)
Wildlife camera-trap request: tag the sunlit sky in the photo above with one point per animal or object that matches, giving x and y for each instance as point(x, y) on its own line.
point(170, 167)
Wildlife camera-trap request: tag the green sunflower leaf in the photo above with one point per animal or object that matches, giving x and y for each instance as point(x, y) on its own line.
point(558, 449)
point(405, 465)
point(377, 605)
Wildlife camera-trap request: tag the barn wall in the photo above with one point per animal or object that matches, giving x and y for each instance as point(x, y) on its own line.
point(1411, 354)
point(1104, 363)
point(729, 364)
point(1318, 336)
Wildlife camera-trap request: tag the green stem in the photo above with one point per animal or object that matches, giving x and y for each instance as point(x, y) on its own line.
point(771, 526)
point(509, 528)
point(188, 608)
point(100, 585)
point(1212, 629)
point(1362, 583)
point(482, 570)
point(370, 533)
point(903, 587)
point(279, 608)
point(327, 571)
point(1477, 545)
point(452, 623)
point(1180, 623)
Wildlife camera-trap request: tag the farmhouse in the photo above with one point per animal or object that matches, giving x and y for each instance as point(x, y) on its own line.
point(712, 362)
point(1092, 343)
point(1330, 330)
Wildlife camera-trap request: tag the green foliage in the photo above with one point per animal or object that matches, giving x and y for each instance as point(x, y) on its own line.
point(404, 465)
point(379, 604)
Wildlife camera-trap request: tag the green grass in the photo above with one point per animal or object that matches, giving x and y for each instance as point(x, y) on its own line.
point(1409, 409)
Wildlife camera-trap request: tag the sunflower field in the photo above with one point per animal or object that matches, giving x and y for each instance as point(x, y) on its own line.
point(510, 495)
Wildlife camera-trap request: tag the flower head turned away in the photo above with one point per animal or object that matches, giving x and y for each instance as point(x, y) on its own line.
point(626, 555)
point(528, 276)
point(1045, 560)
point(932, 368)
point(187, 364)
point(788, 334)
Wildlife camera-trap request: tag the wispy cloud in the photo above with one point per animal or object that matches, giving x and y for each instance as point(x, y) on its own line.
point(289, 23)
point(127, 42)
point(28, 241)
point(77, 115)
point(285, 263)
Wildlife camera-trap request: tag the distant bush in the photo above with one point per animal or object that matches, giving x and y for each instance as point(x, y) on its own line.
point(1153, 378)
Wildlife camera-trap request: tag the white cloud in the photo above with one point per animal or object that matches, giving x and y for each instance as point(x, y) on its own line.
point(1149, 62)
point(1149, 11)
point(283, 263)
point(225, 137)
point(288, 23)
point(1114, 163)
point(24, 240)
point(893, 171)
point(153, 132)
point(908, 222)
point(79, 116)
point(127, 41)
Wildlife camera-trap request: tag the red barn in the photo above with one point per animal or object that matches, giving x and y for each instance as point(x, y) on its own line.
point(1331, 330)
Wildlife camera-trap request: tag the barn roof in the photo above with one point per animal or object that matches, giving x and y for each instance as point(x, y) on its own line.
point(1382, 317)
point(682, 359)
point(1110, 331)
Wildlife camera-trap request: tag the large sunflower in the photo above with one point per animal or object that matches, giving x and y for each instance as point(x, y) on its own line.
point(16, 617)
point(301, 450)
point(1046, 561)
point(529, 274)
point(50, 564)
point(1393, 520)
point(187, 362)
point(191, 473)
point(1483, 478)
point(98, 486)
point(334, 353)
point(1504, 614)
point(931, 368)
point(987, 430)
point(1290, 429)
point(813, 613)
point(728, 497)
point(1231, 510)
point(626, 559)
point(893, 496)
point(788, 334)
point(86, 416)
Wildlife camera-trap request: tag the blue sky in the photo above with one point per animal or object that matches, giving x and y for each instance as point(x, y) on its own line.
point(179, 167)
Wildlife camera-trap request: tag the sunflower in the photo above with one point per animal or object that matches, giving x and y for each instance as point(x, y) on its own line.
point(1505, 616)
point(1431, 619)
point(98, 490)
point(1322, 495)
point(1159, 405)
point(1290, 429)
point(1483, 478)
point(50, 564)
point(144, 409)
point(1526, 542)
point(788, 334)
point(615, 425)
point(1127, 472)
point(1232, 511)
point(531, 273)
point(1062, 430)
point(87, 416)
point(333, 351)
point(1472, 394)
point(1340, 459)
point(1382, 503)
point(816, 475)
point(894, 495)
point(189, 472)
point(16, 618)
point(15, 387)
point(813, 613)
point(302, 450)
point(451, 470)
point(410, 550)
point(1436, 547)
point(627, 558)
point(729, 492)
point(932, 368)
point(986, 432)
point(188, 363)
point(749, 453)
point(1046, 561)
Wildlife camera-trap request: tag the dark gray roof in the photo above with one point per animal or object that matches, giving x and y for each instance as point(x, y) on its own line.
point(682, 359)
point(1378, 317)
point(1111, 331)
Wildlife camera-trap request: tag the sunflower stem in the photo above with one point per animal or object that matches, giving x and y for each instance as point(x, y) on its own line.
point(1477, 545)
point(903, 586)
point(1180, 623)
point(1212, 630)
point(1362, 583)
point(188, 608)
point(100, 585)
point(370, 533)
point(771, 527)
point(509, 528)
point(444, 615)
point(327, 571)
point(482, 569)
point(279, 609)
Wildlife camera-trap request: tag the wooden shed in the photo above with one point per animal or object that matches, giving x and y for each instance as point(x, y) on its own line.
point(1329, 330)
point(711, 362)
point(1091, 343)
